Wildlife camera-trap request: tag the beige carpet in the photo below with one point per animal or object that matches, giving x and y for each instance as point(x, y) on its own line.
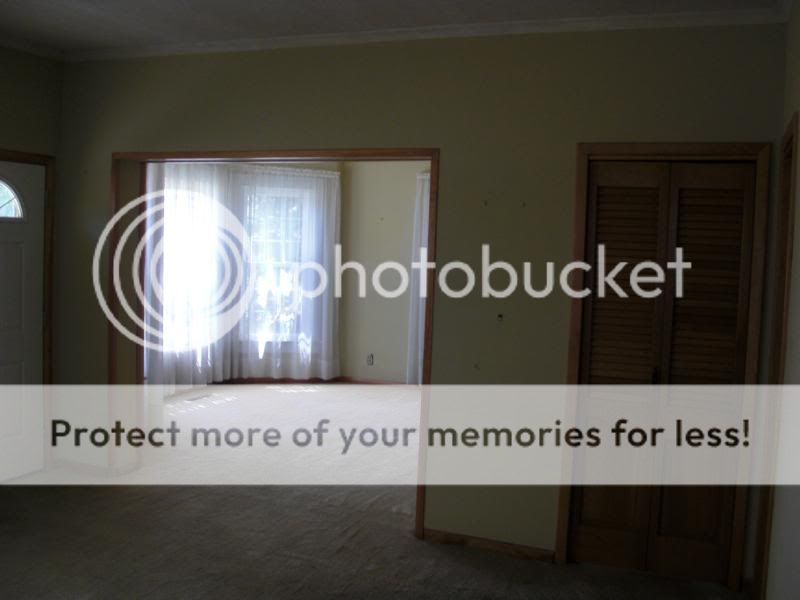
point(269, 542)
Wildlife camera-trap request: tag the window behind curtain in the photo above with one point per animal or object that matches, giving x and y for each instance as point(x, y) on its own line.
point(290, 216)
point(275, 218)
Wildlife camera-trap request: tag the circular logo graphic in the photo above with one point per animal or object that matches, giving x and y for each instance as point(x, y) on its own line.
point(188, 270)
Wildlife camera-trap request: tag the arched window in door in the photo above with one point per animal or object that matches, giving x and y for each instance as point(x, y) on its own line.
point(10, 205)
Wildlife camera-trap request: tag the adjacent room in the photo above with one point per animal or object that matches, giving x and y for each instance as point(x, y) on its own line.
point(200, 198)
point(293, 214)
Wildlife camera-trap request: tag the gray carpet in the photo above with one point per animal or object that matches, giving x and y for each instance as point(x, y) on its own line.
point(270, 542)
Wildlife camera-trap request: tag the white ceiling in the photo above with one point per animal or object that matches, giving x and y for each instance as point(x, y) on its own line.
point(94, 29)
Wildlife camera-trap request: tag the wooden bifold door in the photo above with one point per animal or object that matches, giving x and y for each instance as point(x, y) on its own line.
point(644, 210)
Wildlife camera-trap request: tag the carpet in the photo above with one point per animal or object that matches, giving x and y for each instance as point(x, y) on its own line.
point(271, 542)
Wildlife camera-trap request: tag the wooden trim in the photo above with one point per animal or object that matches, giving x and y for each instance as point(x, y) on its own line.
point(26, 157)
point(422, 464)
point(784, 244)
point(578, 253)
point(529, 552)
point(313, 380)
point(276, 380)
point(759, 258)
point(359, 381)
point(736, 565)
point(766, 504)
point(433, 206)
point(672, 151)
point(575, 321)
point(562, 528)
point(368, 154)
point(759, 155)
point(48, 162)
point(766, 501)
point(427, 353)
point(419, 512)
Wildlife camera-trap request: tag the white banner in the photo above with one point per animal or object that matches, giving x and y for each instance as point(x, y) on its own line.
point(377, 435)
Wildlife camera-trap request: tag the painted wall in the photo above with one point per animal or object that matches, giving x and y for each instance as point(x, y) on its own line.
point(377, 225)
point(792, 84)
point(506, 113)
point(30, 102)
point(783, 574)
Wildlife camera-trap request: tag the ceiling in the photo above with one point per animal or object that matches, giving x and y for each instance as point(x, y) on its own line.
point(97, 29)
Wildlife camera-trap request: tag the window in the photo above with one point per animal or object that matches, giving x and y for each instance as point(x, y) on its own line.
point(275, 219)
point(10, 206)
point(260, 222)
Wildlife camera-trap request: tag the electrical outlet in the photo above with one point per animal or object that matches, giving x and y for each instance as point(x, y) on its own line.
point(370, 359)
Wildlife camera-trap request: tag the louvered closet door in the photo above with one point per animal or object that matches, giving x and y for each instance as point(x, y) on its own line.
point(628, 214)
point(705, 336)
point(712, 220)
point(621, 344)
point(643, 211)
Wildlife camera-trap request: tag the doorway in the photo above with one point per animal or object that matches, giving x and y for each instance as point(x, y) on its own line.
point(129, 180)
point(25, 225)
point(25, 182)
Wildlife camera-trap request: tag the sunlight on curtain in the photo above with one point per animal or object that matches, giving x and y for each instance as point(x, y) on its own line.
point(290, 216)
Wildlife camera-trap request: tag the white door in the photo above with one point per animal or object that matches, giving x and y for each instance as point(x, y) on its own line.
point(22, 196)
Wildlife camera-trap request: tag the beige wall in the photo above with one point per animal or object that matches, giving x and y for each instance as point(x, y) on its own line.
point(506, 113)
point(783, 574)
point(377, 225)
point(792, 84)
point(30, 102)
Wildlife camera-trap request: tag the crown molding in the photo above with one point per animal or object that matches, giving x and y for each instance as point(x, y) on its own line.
point(777, 14)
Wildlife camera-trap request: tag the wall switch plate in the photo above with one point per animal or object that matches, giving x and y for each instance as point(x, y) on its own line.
point(370, 359)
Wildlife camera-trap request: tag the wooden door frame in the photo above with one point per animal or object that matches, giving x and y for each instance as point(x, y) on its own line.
point(784, 247)
point(785, 214)
point(292, 156)
point(48, 162)
point(756, 153)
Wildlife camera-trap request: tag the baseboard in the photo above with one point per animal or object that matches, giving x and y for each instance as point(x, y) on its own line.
point(274, 380)
point(355, 380)
point(315, 380)
point(100, 471)
point(528, 552)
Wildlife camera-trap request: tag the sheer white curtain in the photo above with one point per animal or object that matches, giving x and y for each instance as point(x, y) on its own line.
point(291, 217)
point(416, 314)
